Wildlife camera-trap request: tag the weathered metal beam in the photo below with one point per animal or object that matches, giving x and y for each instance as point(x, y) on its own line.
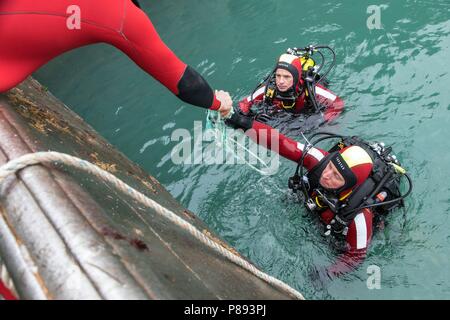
point(67, 235)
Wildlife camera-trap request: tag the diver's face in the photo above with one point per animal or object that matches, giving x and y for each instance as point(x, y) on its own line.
point(283, 79)
point(331, 177)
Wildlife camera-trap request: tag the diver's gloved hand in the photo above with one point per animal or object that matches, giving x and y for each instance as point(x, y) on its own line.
point(238, 120)
point(337, 226)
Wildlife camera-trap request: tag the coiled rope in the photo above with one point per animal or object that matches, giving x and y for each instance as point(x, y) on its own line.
point(48, 157)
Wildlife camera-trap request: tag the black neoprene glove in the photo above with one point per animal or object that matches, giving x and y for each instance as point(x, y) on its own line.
point(239, 121)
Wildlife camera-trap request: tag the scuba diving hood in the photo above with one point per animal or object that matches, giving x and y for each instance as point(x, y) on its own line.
point(292, 64)
point(353, 163)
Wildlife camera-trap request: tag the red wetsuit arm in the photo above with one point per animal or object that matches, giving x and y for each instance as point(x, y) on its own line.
point(284, 146)
point(256, 97)
point(143, 45)
point(35, 32)
point(358, 239)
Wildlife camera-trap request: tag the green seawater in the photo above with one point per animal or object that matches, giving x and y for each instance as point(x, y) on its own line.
point(396, 85)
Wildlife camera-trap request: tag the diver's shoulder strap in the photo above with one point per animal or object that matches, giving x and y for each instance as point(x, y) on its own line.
point(347, 213)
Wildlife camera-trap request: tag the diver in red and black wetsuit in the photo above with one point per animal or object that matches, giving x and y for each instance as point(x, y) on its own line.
point(34, 32)
point(343, 186)
point(285, 90)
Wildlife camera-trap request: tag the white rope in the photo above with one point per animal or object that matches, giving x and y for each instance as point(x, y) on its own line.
point(46, 157)
point(6, 279)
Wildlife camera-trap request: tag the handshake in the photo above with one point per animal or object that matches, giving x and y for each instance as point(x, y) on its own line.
point(238, 120)
point(235, 118)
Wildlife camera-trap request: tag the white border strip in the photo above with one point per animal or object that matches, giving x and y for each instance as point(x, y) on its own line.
point(325, 93)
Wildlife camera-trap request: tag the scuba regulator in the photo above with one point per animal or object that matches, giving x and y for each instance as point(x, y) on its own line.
point(311, 71)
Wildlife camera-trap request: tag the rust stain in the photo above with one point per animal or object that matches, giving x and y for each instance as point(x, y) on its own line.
point(8, 223)
point(148, 185)
point(39, 127)
point(138, 244)
point(220, 242)
point(105, 166)
point(42, 285)
point(134, 242)
point(45, 120)
point(42, 120)
point(144, 182)
point(17, 95)
point(189, 214)
point(153, 179)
